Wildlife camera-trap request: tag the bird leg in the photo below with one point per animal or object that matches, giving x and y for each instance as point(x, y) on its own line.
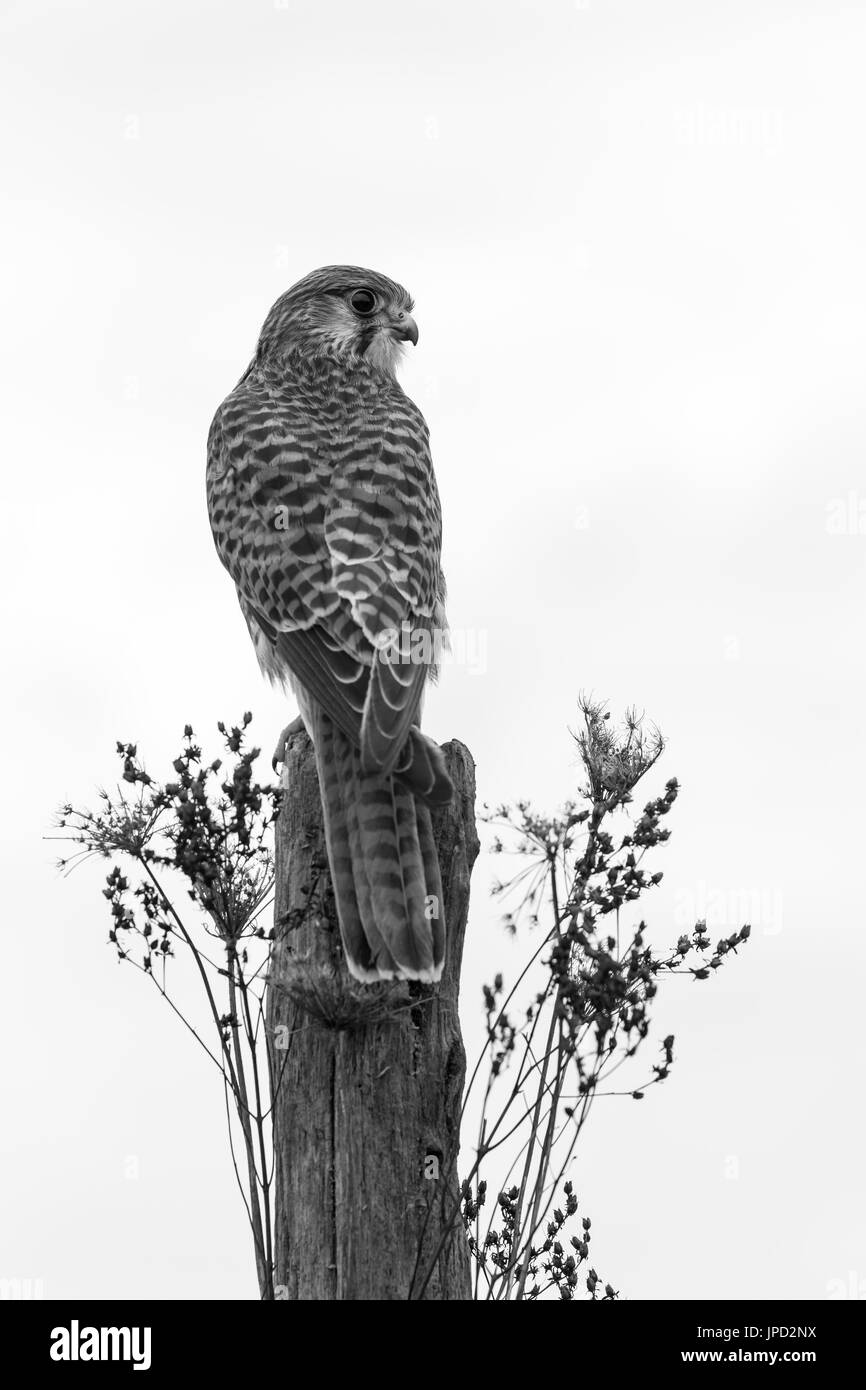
point(296, 727)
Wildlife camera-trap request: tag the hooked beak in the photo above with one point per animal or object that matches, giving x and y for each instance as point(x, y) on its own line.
point(405, 329)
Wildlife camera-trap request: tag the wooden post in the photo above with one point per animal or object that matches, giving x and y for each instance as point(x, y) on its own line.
point(368, 1080)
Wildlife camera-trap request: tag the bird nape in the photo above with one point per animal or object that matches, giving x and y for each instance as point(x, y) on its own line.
point(325, 512)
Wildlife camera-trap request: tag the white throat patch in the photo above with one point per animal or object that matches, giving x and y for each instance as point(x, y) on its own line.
point(385, 352)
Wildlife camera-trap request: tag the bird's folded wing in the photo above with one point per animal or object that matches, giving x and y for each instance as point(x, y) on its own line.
point(374, 707)
point(337, 555)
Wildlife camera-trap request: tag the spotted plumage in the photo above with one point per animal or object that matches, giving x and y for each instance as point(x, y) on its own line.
point(325, 512)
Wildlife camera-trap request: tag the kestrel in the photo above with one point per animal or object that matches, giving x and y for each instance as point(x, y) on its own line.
point(325, 512)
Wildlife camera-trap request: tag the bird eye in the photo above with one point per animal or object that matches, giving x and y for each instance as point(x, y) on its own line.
point(363, 302)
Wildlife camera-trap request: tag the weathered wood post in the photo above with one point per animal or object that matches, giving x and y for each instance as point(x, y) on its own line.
point(368, 1080)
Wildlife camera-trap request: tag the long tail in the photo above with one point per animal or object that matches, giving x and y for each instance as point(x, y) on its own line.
point(383, 862)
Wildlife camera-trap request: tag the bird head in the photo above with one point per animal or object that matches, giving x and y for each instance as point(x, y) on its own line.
point(342, 311)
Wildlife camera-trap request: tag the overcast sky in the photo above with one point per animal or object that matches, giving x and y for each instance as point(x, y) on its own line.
point(635, 237)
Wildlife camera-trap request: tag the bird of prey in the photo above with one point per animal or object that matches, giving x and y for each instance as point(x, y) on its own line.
point(325, 512)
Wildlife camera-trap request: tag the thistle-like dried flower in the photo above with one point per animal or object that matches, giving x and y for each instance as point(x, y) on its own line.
point(615, 757)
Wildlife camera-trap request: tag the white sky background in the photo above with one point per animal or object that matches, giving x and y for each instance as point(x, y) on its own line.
point(635, 237)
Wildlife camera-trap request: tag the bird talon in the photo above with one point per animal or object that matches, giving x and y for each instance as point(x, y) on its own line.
point(279, 755)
